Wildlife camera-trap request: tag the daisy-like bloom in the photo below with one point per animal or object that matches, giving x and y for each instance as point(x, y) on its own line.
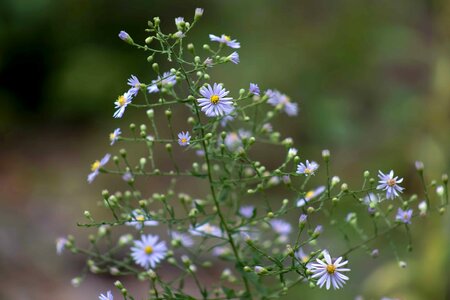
point(404, 216)
point(234, 58)
point(278, 99)
point(329, 272)
point(108, 296)
point(139, 220)
point(60, 245)
point(184, 239)
point(125, 37)
point(184, 138)
point(310, 195)
point(225, 39)
point(307, 169)
point(215, 103)
point(233, 140)
point(246, 211)
point(168, 79)
point(135, 84)
point(96, 166)
point(281, 227)
point(389, 183)
point(121, 103)
point(206, 229)
point(148, 252)
point(114, 136)
point(254, 89)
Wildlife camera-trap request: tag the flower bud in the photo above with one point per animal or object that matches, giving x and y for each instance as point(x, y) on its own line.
point(326, 154)
point(155, 67)
point(260, 270)
point(198, 14)
point(419, 166)
point(126, 37)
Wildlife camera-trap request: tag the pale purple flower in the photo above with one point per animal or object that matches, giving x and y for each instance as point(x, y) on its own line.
point(246, 211)
point(254, 89)
point(208, 62)
point(318, 230)
point(127, 177)
point(108, 296)
point(278, 99)
point(302, 256)
point(225, 39)
point(179, 22)
point(206, 229)
point(220, 251)
point(148, 251)
point(404, 216)
point(121, 103)
point(167, 80)
point(267, 127)
point(60, 245)
point(184, 239)
point(389, 183)
point(139, 220)
point(214, 102)
point(281, 227)
point(329, 272)
point(96, 166)
point(135, 84)
point(184, 138)
point(302, 219)
point(233, 140)
point(125, 37)
point(198, 13)
point(310, 195)
point(308, 168)
point(234, 57)
point(114, 136)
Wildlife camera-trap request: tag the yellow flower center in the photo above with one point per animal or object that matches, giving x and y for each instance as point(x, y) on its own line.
point(208, 229)
point(148, 249)
point(95, 165)
point(140, 218)
point(308, 171)
point(305, 259)
point(121, 100)
point(391, 182)
point(214, 99)
point(183, 140)
point(112, 136)
point(331, 269)
point(227, 38)
point(309, 194)
point(405, 216)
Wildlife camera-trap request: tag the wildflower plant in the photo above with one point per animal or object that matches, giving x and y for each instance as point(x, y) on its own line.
point(237, 232)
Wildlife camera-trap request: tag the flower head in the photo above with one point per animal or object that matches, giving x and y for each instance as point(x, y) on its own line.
point(310, 195)
point(278, 99)
point(404, 216)
point(308, 168)
point(234, 57)
point(206, 230)
point(389, 183)
point(198, 13)
point(233, 140)
point(225, 39)
point(215, 103)
point(281, 227)
point(148, 252)
point(184, 138)
point(184, 239)
point(61, 245)
point(246, 211)
point(254, 89)
point(114, 136)
point(140, 219)
point(96, 166)
point(108, 296)
point(125, 37)
point(121, 103)
point(135, 84)
point(329, 272)
point(167, 80)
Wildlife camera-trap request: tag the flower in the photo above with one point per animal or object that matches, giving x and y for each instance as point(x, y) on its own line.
point(404, 216)
point(292, 152)
point(389, 183)
point(109, 296)
point(310, 195)
point(302, 256)
point(139, 220)
point(329, 272)
point(114, 136)
point(278, 99)
point(198, 13)
point(225, 39)
point(96, 165)
point(121, 103)
point(168, 79)
point(184, 239)
point(233, 140)
point(302, 219)
point(234, 57)
point(206, 229)
point(371, 201)
point(125, 37)
point(254, 89)
point(148, 252)
point(127, 177)
point(60, 245)
point(423, 207)
point(179, 22)
point(184, 138)
point(307, 169)
point(214, 102)
point(133, 81)
point(246, 211)
point(281, 227)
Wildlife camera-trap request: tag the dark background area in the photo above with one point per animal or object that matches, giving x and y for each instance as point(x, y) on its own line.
point(372, 80)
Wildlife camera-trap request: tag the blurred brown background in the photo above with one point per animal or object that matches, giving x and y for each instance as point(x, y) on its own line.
point(372, 79)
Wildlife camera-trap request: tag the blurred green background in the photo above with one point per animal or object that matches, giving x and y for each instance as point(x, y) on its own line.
point(372, 79)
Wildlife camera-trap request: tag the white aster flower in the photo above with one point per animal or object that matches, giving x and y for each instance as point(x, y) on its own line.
point(307, 169)
point(214, 102)
point(206, 229)
point(281, 227)
point(122, 103)
point(108, 296)
point(148, 252)
point(140, 219)
point(329, 272)
point(389, 183)
point(96, 166)
point(310, 195)
point(184, 239)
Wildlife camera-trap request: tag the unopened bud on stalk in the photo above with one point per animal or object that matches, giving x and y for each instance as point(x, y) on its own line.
point(419, 166)
point(124, 36)
point(155, 67)
point(326, 154)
